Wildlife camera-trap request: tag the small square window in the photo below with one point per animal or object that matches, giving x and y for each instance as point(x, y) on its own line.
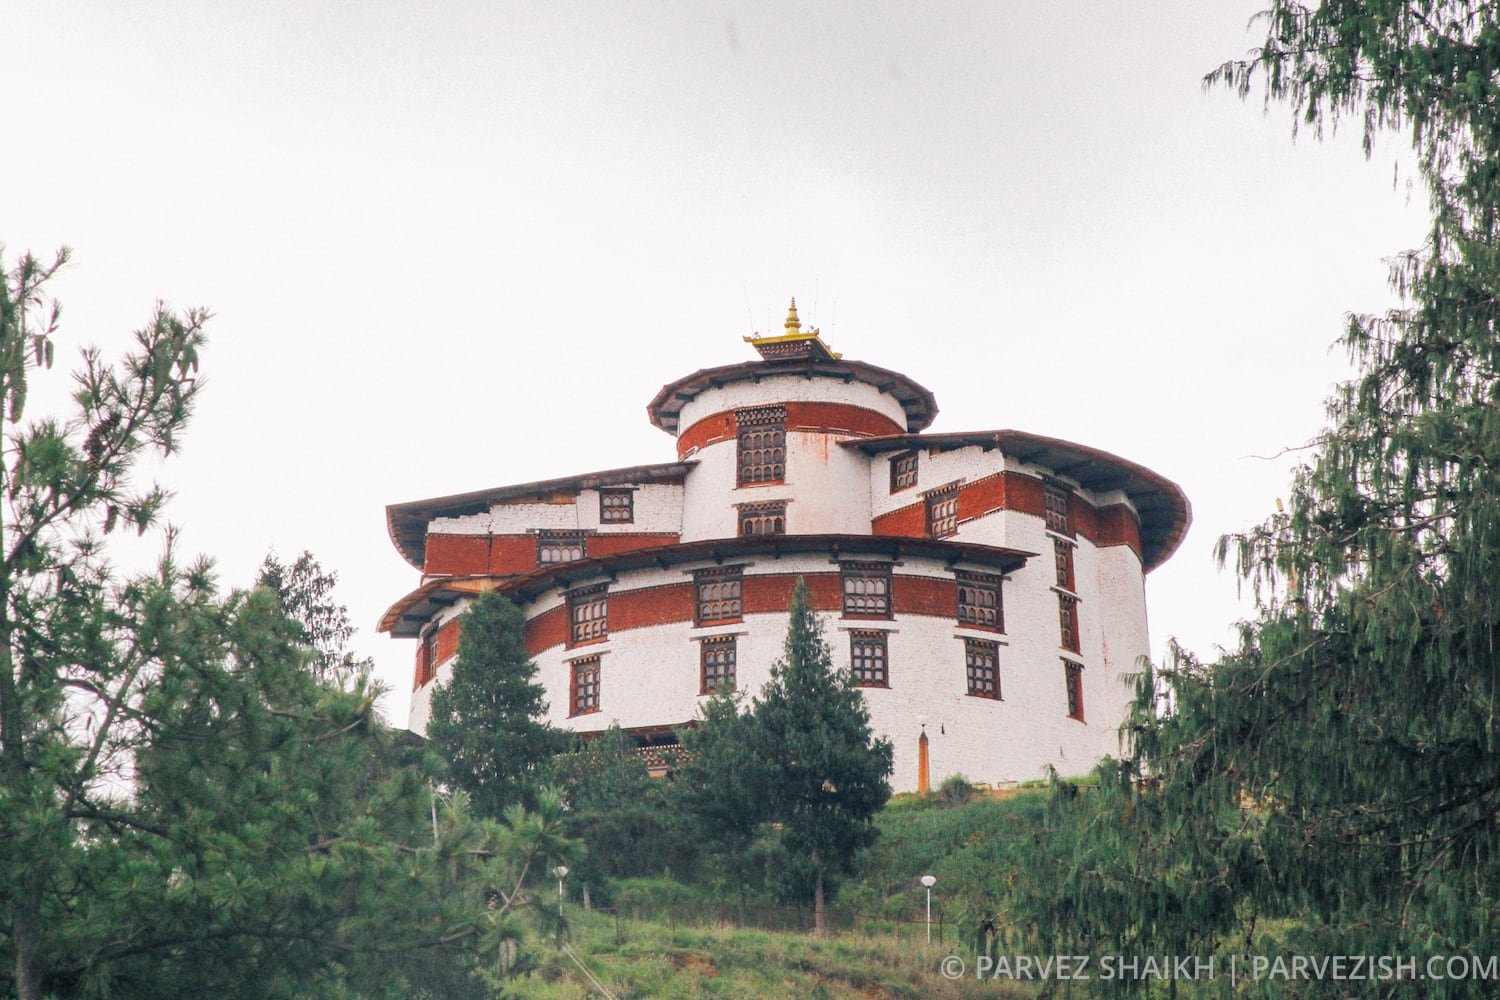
point(718, 596)
point(1073, 677)
point(762, 518)
point(867, 590)
point(717, 657)
point(1067, 617)
point(588, 613)
point(762, 444)
point(903, 471)
point(942, 512)
point(617, 506)
point(982, 664)
point(867, 659)
point(585, 686)
point(979, 601)
point(554, 547)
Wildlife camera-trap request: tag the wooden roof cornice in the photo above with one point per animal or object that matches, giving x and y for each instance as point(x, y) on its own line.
point(407, 615)
point(1163, 508)
point(917, 401)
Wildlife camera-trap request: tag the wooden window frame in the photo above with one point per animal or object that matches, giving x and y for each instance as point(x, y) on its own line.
point(427, 657)
point(878, 603)
point(1067, 623)
point(877, 675)
point(707, 650)
point(1057, 498)
point(903, 471)
point(760, 445)
point(718, 596)
point(974, 672)
point(1062, 557)
point(546, 539)
point(585, 628)
point(583, 699)
point(942, 523)
point(971, 613)
point(1073, 684)
point(768, 513)
point(617, 512)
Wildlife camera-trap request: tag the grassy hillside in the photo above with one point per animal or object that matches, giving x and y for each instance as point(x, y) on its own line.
point(641, 959)
point(967, 847)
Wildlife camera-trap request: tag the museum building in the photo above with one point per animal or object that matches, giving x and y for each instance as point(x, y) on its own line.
point(985, 589)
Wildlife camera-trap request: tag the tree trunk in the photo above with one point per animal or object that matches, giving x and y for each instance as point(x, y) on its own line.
point(820, 918)
point(23, 939)
point(13, 771)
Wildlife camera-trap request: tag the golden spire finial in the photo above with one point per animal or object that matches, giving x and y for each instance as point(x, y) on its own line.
point(794, 343)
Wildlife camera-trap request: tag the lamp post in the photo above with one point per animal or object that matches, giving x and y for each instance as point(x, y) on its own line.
point(927, 883)
point(561, 871)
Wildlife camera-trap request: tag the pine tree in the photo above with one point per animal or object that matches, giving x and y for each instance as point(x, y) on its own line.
point(184, 809)
point(62, 621)
point(485, 719)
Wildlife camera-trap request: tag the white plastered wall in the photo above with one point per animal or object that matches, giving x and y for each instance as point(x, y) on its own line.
point(826, 489)
point(650, 676)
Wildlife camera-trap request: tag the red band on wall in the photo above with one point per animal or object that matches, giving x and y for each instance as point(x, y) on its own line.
point(827, 418)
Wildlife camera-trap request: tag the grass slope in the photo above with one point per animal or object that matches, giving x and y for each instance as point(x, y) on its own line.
point(967, 847)
point(648, 959)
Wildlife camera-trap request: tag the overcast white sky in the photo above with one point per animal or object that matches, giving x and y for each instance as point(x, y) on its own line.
point(452, 246)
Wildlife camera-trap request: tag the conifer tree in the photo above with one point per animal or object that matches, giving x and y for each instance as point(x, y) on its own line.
point(723, 787)
point(184, 809)
point(802, 759)
point(830, 775)
point(624, 817)
point(1340, 770)
point(306, 593)
point(486, 719)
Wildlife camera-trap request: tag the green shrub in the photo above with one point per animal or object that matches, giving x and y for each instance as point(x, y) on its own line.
point(955, 790)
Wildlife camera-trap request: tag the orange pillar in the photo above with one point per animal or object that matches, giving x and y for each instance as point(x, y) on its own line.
point(924, 779)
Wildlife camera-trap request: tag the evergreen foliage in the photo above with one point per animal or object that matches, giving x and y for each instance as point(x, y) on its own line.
point(626, 819)
point(184, 810)
point(800, 765)
point(1337, 776)
point(306, 593)
point(485, 719)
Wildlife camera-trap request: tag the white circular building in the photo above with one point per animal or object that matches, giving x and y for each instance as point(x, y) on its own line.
point(986, 588)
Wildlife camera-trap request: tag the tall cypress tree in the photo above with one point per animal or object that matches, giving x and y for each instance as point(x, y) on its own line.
point(1340, 770)
point(830, 776)
point(801, 759)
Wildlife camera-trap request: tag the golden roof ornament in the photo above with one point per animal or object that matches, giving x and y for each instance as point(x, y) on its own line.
point(795, 343)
